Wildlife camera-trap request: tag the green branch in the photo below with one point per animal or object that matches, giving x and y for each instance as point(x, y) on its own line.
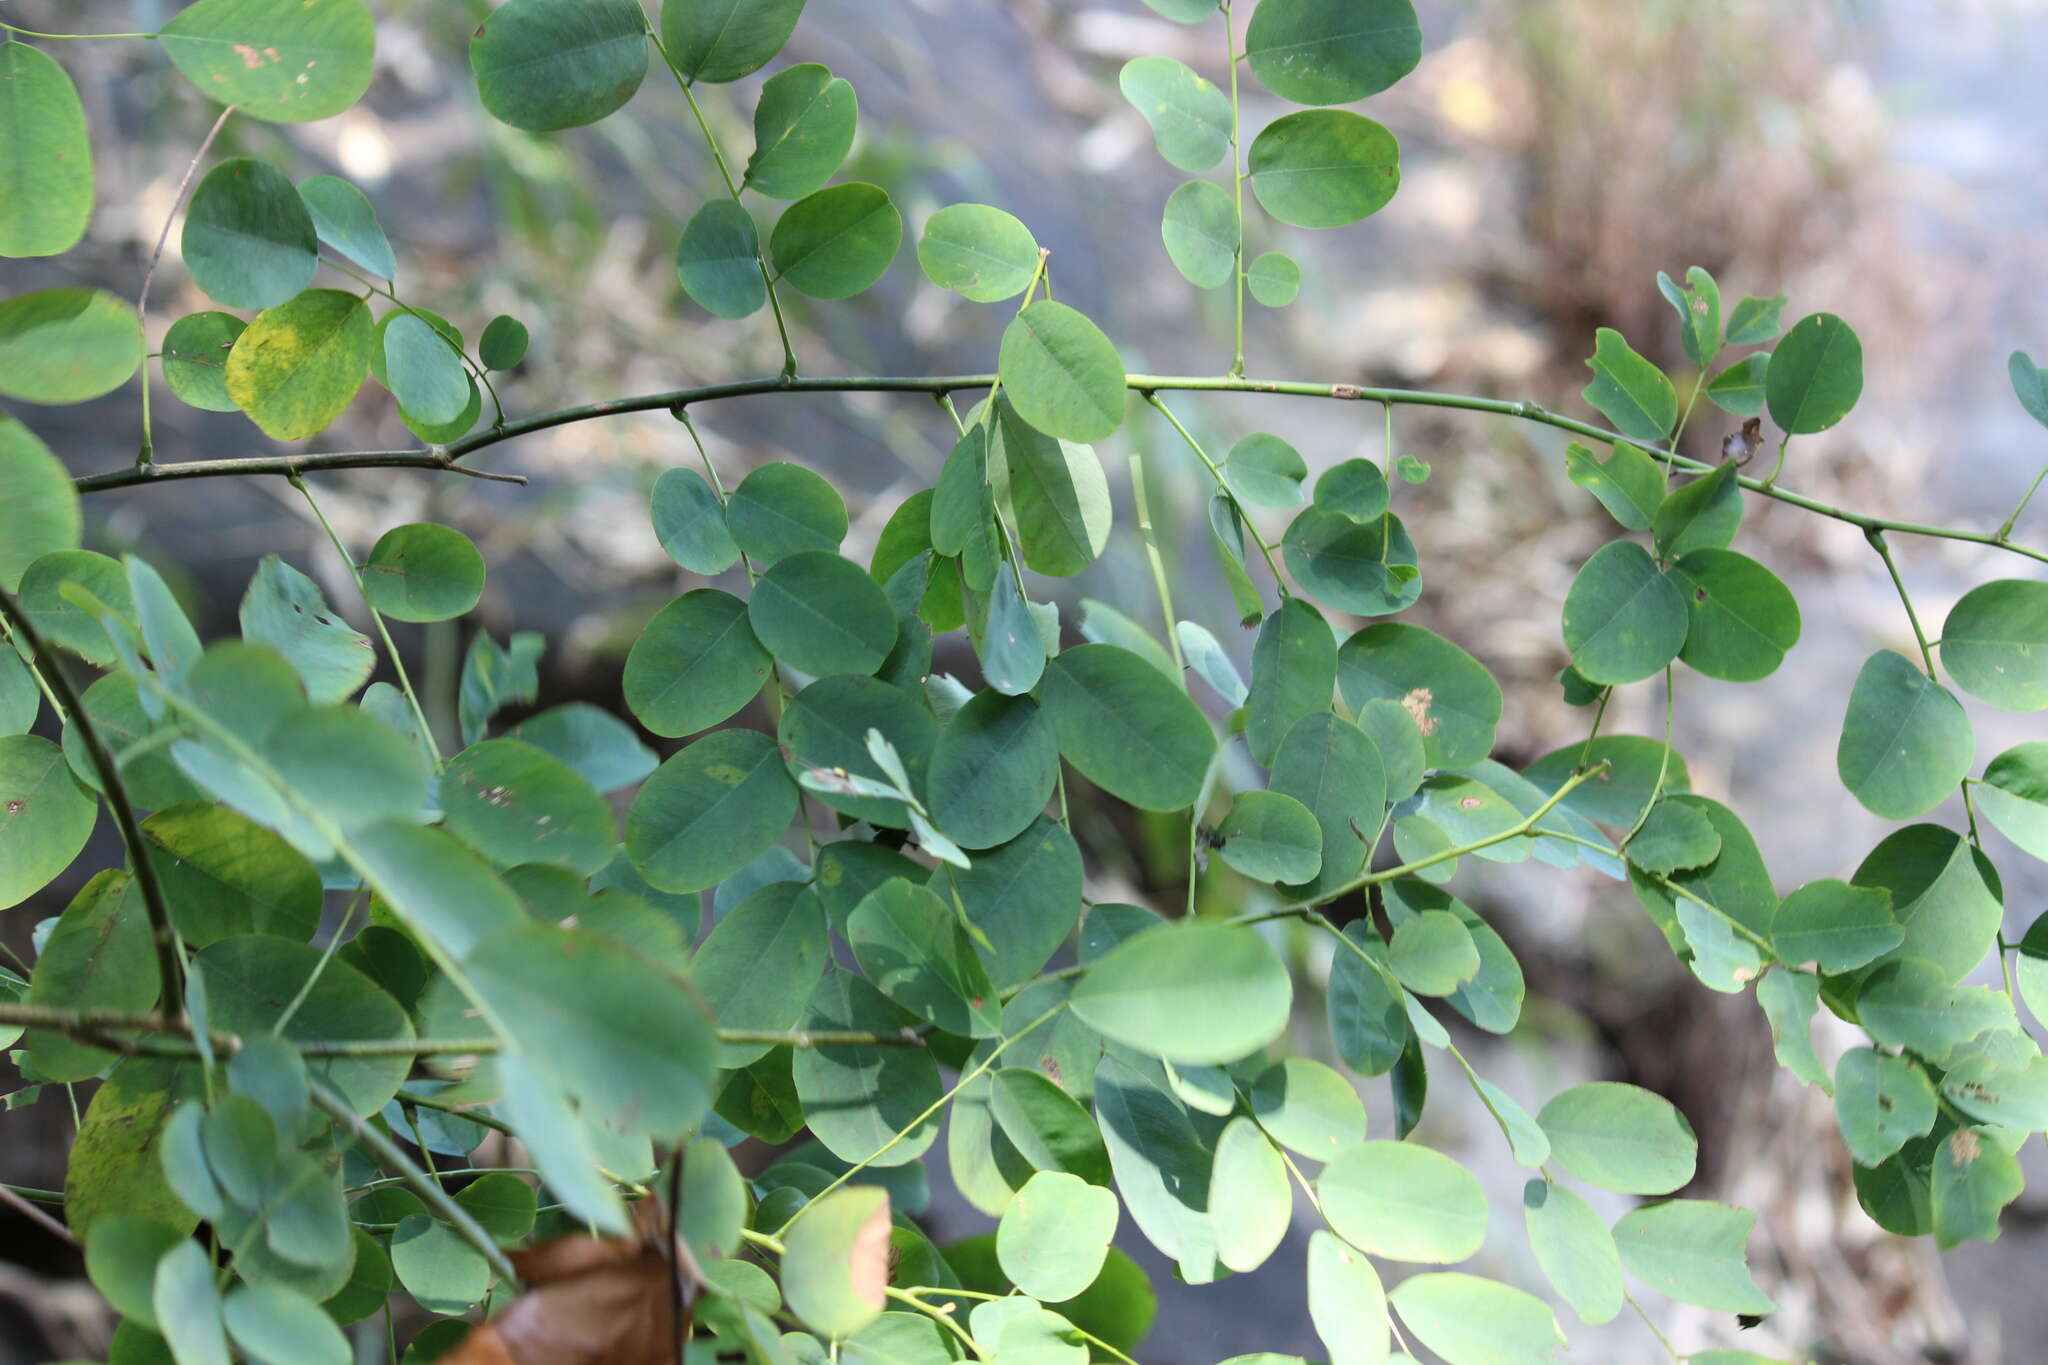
point(100, 1023)
point(445, 458)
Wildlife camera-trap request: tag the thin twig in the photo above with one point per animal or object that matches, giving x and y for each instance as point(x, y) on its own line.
point(163, 937)
point(445, 459)
point(429, 1190)
point(36, 1215)
point(148, 450)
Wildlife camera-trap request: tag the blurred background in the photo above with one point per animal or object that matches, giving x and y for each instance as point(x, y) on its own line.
point(1883, 159)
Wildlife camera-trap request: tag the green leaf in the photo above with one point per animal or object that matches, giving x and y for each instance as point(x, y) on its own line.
point(1674, 836)
point(689, 521)
point(1995, 643)
point(423, 572)
point(2014, 796)
point(280, 65)
point(1308, 1108)
point(1200, 231)
point(1054, 1236)
point(759, 965)
point(1906, 743)
point(1974, 1178)
point(1024, 896)
point(1190, 117)
point(1207, 657)
point(822, 614)
point(836, 242)
point(1056, 489)
point(515, 804)
point(1740, 387)
point(723, 40)
point(980, 253)
point(1126, 727)
point(1346, 1305)
point(1699, 313)
point(1158, 992)
point(992, 770)
point(1226, 532)
point(425, 374)
point(121, 1257)
point(544, 65)
point(1368, 1019)
point(1368, 569)
point(46, 815)
point(1454, 702)
point(779, 509)
point(803, 128)
point(1693, 1251)
point(1403, 1201)
point(623, 1037)
point(249, 980)
point(1790, 1000)
point(1354, 488)
point(1294, 671)
point(1836, 925)
point(1061, 374)
point(1272, 838)
point(277, 1326)
point(249, 239)
point(20, 701)
point(39, 511)
point(1250, 1202)
point(1754, 321)
point(1701, 515)
point(1470, 1321)
point(1324, 168)
point(710, 810)
point(298, 365)
point(443, 1273)
point(503, 344)
point(1162, 1165)
point(1183, 11)
point(1880, 1102)
point(46, 174)
point(1944, 893)
point(1046, 1126)
point(1620, 1137)
point(195, 359)
point(1332, 51)
point(1275, 280)
point(1627, 481)
point(187, 1307)
point(344, 219)
point(1629, 391)
point(1328, 765)
point(696, 664)
point(915, 950)
point(1264, 469)
point(718, 260)
point(287, 611)
point(1743, 619)
point(98, 956)
point(1433, 953)
point(115, 1163)
point(1011, 647)
point(2029, 385)
point(826, 727)
point(1816, 375)
point(66, 345)
point(1624, 619)
point(1574, 1249)
point(862, 1096)
point(1909, 1003)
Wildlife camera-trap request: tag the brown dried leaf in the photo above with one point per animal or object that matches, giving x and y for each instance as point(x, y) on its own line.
point(588, 1301)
